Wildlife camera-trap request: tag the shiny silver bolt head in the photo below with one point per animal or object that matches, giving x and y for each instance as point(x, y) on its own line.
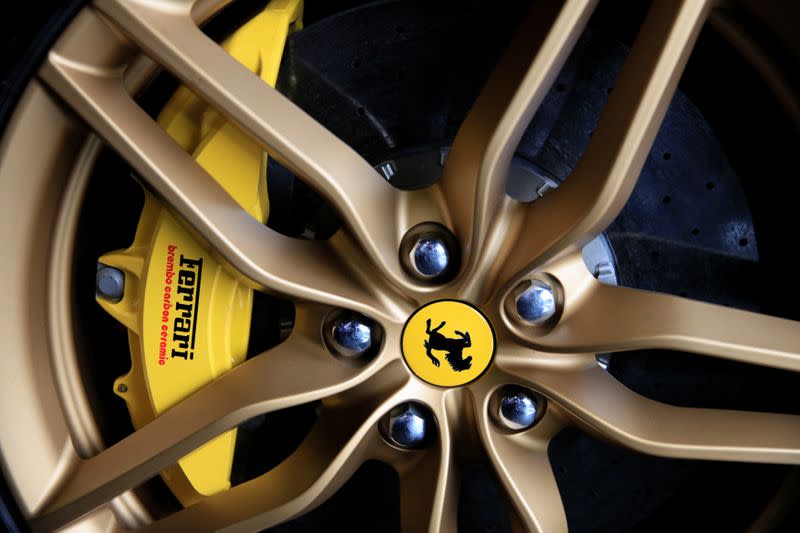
point(430, 257)
point(429, 253)
point(537, 303)
point(110, 283)
point(387, 169)
point(517, 411)
point(352, 335)
point(409, 426)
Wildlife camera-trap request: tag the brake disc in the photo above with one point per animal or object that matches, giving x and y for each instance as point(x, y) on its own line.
point(188, 318)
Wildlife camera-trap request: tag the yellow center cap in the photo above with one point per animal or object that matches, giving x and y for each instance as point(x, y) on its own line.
point(448, 343)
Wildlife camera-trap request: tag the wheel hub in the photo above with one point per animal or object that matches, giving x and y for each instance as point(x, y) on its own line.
point(448, 343)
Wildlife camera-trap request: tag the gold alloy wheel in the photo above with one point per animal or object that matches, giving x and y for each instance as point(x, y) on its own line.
point(105, 56)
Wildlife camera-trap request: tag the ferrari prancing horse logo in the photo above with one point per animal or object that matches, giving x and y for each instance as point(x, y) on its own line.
point(452, 347)
point(453, 330)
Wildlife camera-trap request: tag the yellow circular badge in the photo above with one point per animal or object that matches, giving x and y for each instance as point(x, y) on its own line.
point(448, 343)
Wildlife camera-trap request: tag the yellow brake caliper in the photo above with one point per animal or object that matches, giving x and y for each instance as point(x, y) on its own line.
point(188, 319)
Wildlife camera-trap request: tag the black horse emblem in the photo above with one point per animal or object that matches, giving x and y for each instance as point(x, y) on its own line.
point(453, 348)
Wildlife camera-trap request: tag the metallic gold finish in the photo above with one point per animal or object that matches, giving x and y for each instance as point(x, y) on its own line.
point(40, 354)
point(262, 384)
point(81, 78)
point(166, 365)
point(429, 478)
point(524, 469)
point(473, 182)
point(605, 175)
point(165, 31)
point(605, 318)
point(428, 491)
point(342, 439)
point(599, 402)
point(502, 244)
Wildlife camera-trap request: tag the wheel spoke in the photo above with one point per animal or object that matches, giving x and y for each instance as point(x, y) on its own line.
point(167, 33)
point(474, 177)
point(268, 259)
point(262, 384)
point(342, 439)
point(595, 399)
point(523, 467)
point(602, 318)
point(429, 487)
point(428, 494)
point(528, 479)
point(599, 186)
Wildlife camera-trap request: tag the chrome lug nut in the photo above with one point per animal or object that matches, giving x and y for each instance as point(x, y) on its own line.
point(430, 257)
point(429, 252)
point(409, 426)
point(351, 335)
point(110, 283)
point(537, 303)
point(517, 410)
